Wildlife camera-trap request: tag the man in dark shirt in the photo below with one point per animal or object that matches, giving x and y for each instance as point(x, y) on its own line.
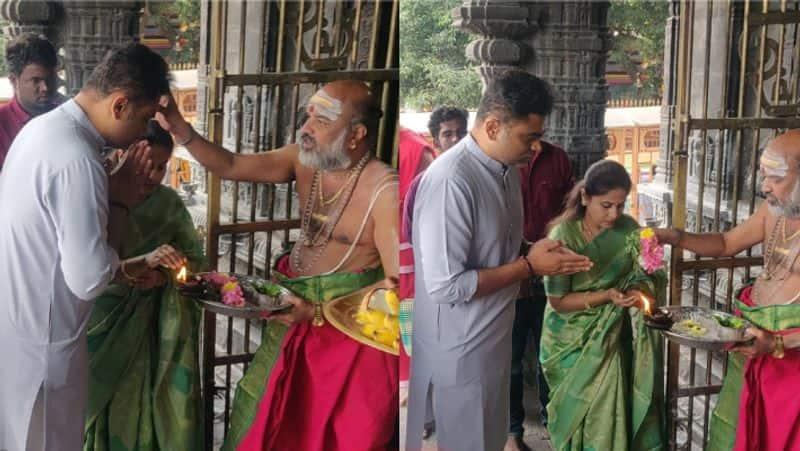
point(546, 181)
point(32, 65)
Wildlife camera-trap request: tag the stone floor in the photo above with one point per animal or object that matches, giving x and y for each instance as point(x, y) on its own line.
point(535, 434)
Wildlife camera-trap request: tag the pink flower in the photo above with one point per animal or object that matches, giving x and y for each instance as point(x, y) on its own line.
point(652, 256)
point(217, 278)
point(234, 297)
point(229, 288)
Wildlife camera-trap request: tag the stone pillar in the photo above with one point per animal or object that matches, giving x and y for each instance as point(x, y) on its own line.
point(664, 171)
point(93, 28)
point(500, 24)
point(30, 16)
point(570, 51)
point(565, 43)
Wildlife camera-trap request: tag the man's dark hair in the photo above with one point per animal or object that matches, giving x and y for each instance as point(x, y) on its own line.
point(28, 49)
point(157, 136)
point(135, 69)
point(444, 114)
point(515, 94)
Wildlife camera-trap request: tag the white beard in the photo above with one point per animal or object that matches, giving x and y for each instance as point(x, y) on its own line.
point(333, 157)
point(791, 207)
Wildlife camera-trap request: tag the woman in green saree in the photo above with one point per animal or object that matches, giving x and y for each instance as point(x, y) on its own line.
point(144, 382)
point(602, 364)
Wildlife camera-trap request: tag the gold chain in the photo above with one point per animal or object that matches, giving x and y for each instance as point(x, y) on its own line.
point(338, 193)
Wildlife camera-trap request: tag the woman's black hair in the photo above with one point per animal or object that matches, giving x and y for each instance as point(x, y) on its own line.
point(157, 136)
point(602, 177)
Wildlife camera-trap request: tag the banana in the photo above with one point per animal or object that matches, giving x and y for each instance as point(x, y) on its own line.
point(393, 302)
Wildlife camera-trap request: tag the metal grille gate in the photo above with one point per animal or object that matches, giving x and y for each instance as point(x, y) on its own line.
point(266, 59)
point(738, 65)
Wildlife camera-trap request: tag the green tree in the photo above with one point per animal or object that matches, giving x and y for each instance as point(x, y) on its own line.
point(181, 20)
point(637, 43)
point(433, 68)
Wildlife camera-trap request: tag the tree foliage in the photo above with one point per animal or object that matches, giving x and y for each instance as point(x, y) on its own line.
point(180, 19)
point(637, 37)
point(435, 71)
point(433, 68)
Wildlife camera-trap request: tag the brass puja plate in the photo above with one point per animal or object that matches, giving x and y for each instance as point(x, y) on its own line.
point(341, 313)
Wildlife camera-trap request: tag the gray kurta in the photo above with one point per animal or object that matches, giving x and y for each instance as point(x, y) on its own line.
point(54, 259)
point(467, 216)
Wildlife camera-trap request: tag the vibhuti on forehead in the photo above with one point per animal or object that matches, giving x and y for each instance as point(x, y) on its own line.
point(324, 105)
point(773, 164)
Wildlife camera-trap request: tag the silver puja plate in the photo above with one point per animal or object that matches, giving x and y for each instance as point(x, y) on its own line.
point(256, 304)
point(704, 328)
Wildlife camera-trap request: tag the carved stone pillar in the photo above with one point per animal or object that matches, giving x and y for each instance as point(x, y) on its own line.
point(565, 43)
point(664, 171)
point(500, 25)
point(93, 28)
point(30, 16)
point(570, 51)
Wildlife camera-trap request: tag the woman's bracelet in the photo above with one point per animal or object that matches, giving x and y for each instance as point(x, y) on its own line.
point(125, 273)
point(586, 302)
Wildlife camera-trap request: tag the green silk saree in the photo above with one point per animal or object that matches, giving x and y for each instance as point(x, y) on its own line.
point(144, 380)
point(603, 366)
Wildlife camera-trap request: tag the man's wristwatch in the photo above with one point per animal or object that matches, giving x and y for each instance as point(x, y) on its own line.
point(778, 351)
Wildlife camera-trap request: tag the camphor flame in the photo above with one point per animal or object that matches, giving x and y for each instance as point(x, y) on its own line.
point(646, 305)
point(181, 277)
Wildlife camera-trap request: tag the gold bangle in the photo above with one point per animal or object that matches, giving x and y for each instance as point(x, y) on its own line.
point(778, 352)
point(586, 300)
point(125, 273)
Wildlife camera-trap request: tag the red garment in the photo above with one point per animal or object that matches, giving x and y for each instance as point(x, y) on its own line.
point(412, 149)
point(769, 412)
point(12, 119)
point(326, 392)
point(769, 409)
point(546, 182)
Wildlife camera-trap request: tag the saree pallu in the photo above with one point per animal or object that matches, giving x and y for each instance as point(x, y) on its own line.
point(144, 380)
point(313, 388)
point(759, 406)
point(603, 365)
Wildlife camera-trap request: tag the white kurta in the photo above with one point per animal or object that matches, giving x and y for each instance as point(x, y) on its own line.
point(467, 216)
point(54, 259)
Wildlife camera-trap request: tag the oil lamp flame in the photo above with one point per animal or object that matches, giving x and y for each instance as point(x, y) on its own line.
point(646, 305)
point(181, 277)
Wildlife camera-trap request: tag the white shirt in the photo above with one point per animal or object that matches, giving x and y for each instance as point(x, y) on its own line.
point(54, 259)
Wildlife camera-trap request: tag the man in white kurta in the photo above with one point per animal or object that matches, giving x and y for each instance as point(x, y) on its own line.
point(54, 258)
point(466, 233)
point(468, 215)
